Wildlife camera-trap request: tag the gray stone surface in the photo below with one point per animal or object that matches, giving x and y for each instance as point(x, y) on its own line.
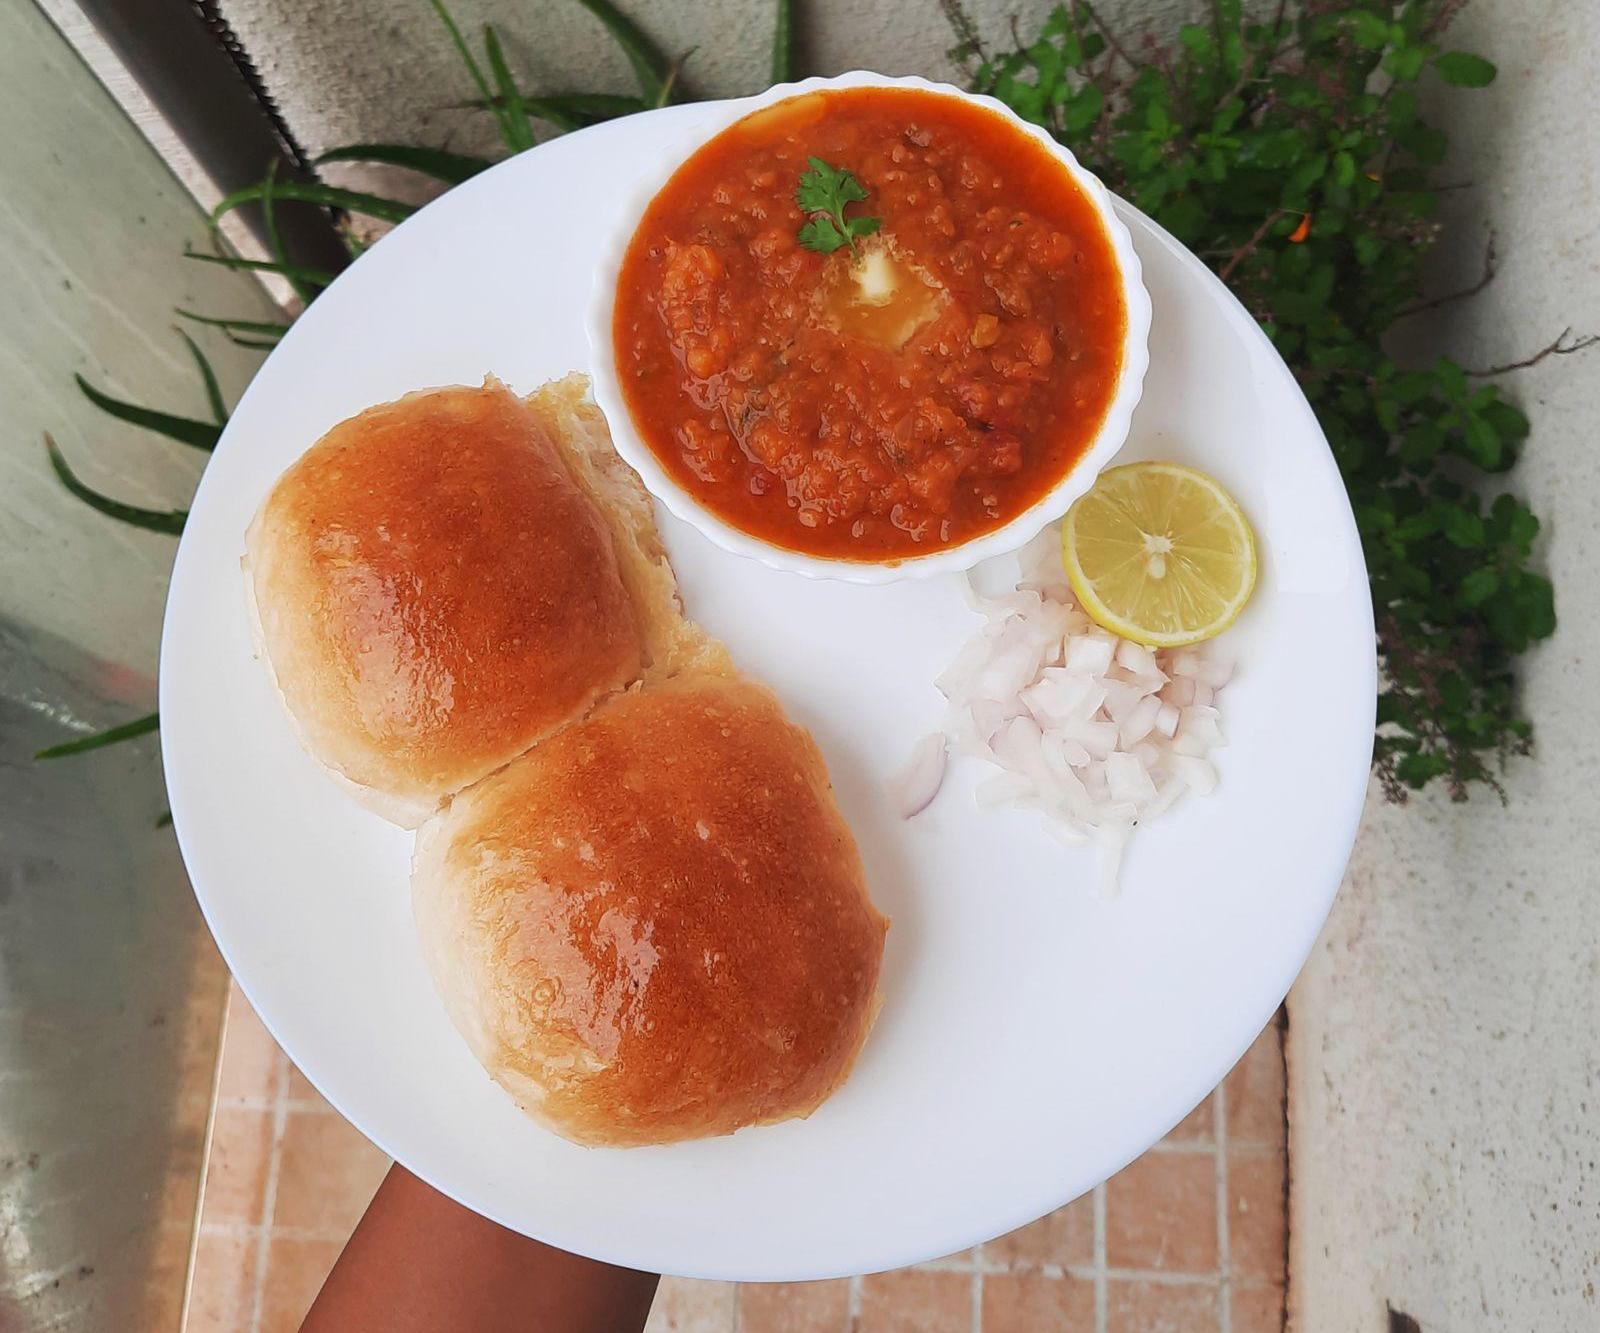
point(1445, 1063)
point(365, 69)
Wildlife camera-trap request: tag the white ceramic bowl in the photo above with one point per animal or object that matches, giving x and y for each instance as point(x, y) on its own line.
point(1049, 507)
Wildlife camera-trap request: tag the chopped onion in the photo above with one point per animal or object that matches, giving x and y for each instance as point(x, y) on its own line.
point(914, 786)
point(1100, 733)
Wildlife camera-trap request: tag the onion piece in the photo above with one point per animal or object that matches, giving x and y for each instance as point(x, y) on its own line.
point(915, 785)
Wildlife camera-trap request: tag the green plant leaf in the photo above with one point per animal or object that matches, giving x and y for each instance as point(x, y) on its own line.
point(783, 43)
point(654, 73)
point(127, 731)
point(518, 130)
point(329, 196)
point(1464, 70)
point(269, 212)
point(467, 58)
point(451, 168)
point(262, 328)
point(186, 430)
point(1369, 30)
point(317, 275)
point(219, 409)
point(153, 520)
point(570, 111)
point(1479, 586)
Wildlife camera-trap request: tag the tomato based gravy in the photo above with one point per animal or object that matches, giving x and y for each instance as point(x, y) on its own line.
point(884, 400)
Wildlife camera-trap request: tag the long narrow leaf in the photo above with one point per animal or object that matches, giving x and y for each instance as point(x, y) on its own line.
point(126, 732)
point(451, 168)
point(154, 520)
point(651, 69)
point(317, 275)
point(518, 129)
point(219, 409)
point(465, 51)
point(670, 83)
point(186, 430)
point(783, 45)
point(269, 211)
point(260, 327)
point(261, 344)
point(329, 196)
point(570, 111)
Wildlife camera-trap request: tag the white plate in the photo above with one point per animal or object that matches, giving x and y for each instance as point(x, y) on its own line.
point(1033, 1038)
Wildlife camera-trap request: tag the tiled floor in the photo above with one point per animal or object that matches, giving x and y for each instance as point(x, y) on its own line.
point(1188, 1239)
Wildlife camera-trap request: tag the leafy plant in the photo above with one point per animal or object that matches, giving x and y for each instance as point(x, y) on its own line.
point(1292, 155)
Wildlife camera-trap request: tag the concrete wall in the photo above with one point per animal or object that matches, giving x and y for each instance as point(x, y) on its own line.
point(1445, 1038)
point(365, 69)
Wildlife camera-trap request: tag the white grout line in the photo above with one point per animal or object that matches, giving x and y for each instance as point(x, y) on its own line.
point(1098, 1271)
point(269, 1199)
point(304, 1105)
point(247, 1230)
point(1082, 1273)
point(977, 1289)
point(854, 1306)
point(1224, 1256)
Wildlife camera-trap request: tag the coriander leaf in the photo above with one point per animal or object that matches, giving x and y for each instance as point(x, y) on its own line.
point(821, 235)
point(823, 191)
point(819, 188)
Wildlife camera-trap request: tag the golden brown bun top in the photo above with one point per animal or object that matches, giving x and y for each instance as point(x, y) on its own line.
point(436, 593)
point(654, 926)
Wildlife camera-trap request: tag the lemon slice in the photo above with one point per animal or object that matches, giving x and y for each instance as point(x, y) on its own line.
point(1160, 554)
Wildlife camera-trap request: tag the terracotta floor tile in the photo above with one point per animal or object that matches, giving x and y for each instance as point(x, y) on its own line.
point(236, 1178)
point(300, 1089)
point(912, 1301)
point(1257, 1225)
point(1255, 1093)
point(224, 1283)
point(965, 1260)
point(1033, 1303)
point(684, 1306)
point(1064, 1239)
point(296, 1270)
point(250, 1058)
point(1162, 1307)
point(794, 1307)
point(1257, 1309)
point(1199, 1126)
point(1161, 1213)
point(327, 1174)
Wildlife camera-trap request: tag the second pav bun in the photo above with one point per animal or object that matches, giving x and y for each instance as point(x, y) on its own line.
point(654, 926)
point(435, 591)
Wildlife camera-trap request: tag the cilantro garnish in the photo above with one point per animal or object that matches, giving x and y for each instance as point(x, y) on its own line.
point(823, 193)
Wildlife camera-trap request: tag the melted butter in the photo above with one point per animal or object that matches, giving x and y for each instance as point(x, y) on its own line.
point(881, 298)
